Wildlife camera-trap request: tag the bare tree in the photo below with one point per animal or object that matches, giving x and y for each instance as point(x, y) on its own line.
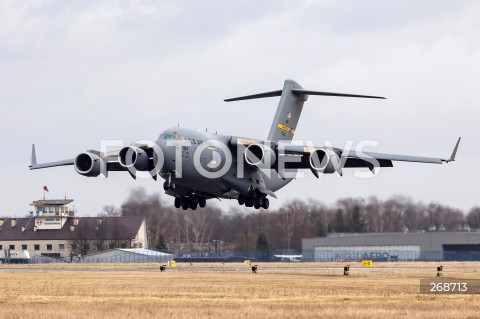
point(110, 211)
point(373, 215)
point(291, 216)
point(100, 235)
point(83, 234)
point(239, 227)
point(117, 229)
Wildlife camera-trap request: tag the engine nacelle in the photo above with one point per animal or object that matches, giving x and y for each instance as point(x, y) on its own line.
point(133, 156)
point(88, 164)
point(260, 155)
point(325, 161)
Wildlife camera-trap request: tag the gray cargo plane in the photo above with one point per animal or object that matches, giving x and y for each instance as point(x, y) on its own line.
point(198, 165)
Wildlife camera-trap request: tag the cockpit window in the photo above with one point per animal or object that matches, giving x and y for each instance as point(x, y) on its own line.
point(167, 136)
point(170, 136)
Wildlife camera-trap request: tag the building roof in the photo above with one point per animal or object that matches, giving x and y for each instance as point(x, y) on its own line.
point(128, 255)
point(51, 202)
point(143, 251)
point(110, 228)
point(136, 251)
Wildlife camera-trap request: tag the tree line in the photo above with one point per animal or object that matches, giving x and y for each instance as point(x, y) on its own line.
point(212, 229)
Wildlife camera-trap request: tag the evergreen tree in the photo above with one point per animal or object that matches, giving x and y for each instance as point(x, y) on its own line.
point(161, 245)
point(473, 218)
point(321, 230)
point(358, 226)
point(262, 243)
point(339, 222)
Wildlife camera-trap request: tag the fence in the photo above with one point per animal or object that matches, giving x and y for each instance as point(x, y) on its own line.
point(340, 255)
point(240, 256)
point(149, 256)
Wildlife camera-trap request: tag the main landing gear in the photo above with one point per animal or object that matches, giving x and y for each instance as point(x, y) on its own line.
point(191, 202)
point(254, 199)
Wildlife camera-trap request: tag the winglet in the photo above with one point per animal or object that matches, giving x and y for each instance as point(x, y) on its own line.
point(34, 156)
point(452, 157)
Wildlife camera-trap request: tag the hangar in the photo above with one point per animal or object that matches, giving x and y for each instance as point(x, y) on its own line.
point(407, 246)
point(124, 255)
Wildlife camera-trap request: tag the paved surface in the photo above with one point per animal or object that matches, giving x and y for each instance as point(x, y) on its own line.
point(8, 268)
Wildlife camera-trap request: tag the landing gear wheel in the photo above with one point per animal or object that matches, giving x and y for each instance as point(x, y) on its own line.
point(258, 203)
point(178, 202)
point(165, 186)
point(265, 203)
point(241, 199)
point(192, 202)
point(185, 203)
point(202, 202)
point(249, 202)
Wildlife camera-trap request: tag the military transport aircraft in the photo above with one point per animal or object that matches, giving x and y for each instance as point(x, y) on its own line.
point(198, 165)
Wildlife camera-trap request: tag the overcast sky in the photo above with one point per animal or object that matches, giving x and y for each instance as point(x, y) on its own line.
point(73, 73)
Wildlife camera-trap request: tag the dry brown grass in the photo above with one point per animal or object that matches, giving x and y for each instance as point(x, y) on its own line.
point(204, 293)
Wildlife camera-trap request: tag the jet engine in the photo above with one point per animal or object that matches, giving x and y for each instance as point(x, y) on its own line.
point(134, 156)
point(260, 155)
point(88, 164)
point(325, 161)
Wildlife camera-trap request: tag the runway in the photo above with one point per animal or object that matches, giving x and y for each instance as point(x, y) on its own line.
point(183, 268)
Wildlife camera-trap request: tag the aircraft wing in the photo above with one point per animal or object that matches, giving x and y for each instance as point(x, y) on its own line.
point(394, 157)
point(403, 158)
point(51, 164)
point(34, 164)
point(109, 158)
point(355, 159)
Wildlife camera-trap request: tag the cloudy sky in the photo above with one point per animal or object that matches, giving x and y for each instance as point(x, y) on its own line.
point(73, 73)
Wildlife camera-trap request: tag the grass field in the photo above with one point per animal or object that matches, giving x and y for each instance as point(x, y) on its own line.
point(196, 291)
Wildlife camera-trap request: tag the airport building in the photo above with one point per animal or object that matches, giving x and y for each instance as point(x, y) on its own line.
point(53, 230)
point(393, 246)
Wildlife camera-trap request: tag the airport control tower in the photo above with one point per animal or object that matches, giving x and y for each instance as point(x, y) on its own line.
point(52, 213)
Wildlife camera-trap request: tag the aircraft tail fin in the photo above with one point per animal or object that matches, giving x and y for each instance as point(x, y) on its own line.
point(288, 112)
point(292, 97)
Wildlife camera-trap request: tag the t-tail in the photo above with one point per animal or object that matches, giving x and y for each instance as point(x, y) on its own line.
point(292, 97)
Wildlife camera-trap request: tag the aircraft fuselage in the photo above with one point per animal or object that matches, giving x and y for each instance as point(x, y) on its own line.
point(205, 163)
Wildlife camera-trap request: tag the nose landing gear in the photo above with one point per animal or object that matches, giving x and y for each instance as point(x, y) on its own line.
point(169, 184)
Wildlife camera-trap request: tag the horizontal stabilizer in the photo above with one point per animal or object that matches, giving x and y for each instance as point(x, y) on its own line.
point(307, 92)
point(299, 92)
point(256, 96)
